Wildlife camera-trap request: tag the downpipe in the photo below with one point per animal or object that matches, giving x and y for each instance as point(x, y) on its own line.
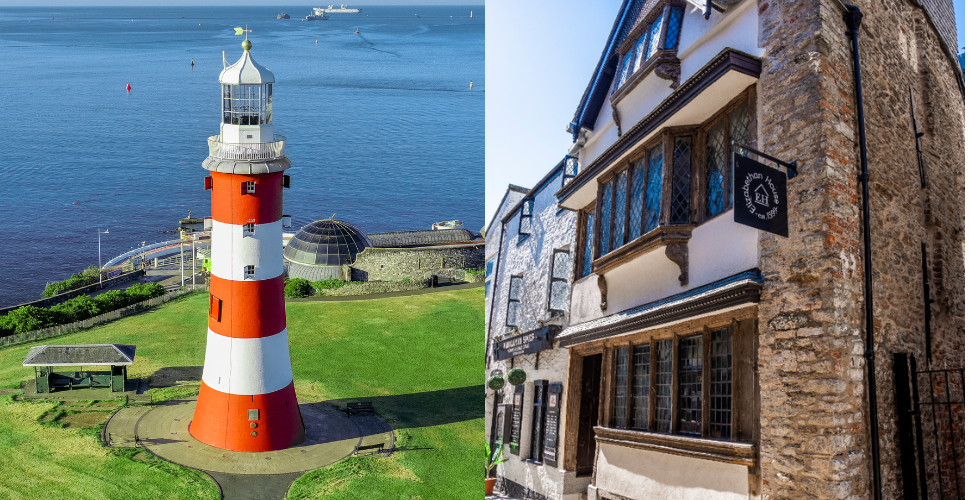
point(853, 20)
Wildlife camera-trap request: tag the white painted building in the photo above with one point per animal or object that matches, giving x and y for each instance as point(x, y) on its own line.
point(532, 272)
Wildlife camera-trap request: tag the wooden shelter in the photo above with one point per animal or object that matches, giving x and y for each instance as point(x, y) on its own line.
point(71, 360)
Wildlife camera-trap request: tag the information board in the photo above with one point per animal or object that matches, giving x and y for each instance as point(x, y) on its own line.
point(514, 440)
point(550, 445)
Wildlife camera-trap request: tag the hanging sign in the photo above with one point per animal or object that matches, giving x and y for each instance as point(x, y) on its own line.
point(760, 196)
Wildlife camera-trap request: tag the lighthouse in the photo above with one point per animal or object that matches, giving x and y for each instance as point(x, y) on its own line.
point(247, 401)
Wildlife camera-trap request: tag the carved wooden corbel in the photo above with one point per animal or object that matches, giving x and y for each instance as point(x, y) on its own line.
point(669, 70)
point(677, 252)
point(601, 281)
point(616, 120)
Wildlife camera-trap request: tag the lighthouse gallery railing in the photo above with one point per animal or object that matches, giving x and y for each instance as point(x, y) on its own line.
point(247, 151)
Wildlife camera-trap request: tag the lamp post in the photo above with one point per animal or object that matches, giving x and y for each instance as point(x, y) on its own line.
point(100, 274)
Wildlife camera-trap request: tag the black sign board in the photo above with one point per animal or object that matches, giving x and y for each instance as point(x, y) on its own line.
point(550, 447)
point(516, 419)
point(760, 196)
point(502, 426)
point(527, 343)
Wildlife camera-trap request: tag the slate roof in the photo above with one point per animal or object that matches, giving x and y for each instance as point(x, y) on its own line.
point(80, 355)
point(425, 238)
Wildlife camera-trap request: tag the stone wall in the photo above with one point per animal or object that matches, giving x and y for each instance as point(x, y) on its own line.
point(416, 264)
point(815, 432)
point(369, 287)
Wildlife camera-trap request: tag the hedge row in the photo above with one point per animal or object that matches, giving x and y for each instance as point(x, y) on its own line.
point(84, 278)
point(29, 318)
point(298, 288)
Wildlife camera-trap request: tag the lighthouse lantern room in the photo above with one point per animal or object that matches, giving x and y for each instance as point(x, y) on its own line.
point(247, 401)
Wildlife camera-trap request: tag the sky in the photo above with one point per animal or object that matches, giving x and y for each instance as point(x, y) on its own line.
point(228, 3)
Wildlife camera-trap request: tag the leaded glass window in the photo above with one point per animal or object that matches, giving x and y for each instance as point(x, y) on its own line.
point(640, 57)
point(651, 216)
point(619, 216)
point(716, 170)
point(619, 393)
point(721, 384)
point(636, 199)
point(689, 380)
point(673, 27)
point(738, 122)
point(641, 385)
point(680, 183)
point(665, 377)
point(570, 169)
point(588, 246)
point(654, 37)
point(625, 69)
point(515, 290)
point(559, 282)
point(604, 246)
point(525, 218)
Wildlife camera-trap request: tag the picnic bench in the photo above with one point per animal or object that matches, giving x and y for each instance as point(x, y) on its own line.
point(379, 447)
point(362, 408)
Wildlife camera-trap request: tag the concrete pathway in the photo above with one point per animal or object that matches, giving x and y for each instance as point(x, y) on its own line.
point(330, 436)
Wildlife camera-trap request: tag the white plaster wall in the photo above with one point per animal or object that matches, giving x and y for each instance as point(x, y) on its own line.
point(493, 247)
point(585, 300)
point(643, 474)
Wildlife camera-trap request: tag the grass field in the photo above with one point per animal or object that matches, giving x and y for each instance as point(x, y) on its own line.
point(417, 358)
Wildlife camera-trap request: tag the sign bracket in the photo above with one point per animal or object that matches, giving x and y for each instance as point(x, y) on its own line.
point(792, 167)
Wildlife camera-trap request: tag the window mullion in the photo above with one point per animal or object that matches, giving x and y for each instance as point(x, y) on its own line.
point(626, 209)
point(665, 178)
point(665, 15)
point(675, 386)
point(597, 215)
point(706, 384)
point(728, 164)
point(735, 378)
point(609, 366)
point(611, 227)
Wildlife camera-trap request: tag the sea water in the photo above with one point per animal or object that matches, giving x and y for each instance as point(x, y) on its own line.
point(382, 127)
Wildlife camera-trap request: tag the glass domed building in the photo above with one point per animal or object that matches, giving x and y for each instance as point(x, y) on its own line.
point(324, 250)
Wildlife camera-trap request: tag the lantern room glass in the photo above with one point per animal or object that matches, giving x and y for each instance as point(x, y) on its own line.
point(247, 104)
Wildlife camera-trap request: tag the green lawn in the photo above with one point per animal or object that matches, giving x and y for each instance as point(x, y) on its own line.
point(417, 358)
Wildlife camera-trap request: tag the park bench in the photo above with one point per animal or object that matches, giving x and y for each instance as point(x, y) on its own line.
point(362, 408)
point(379, 447)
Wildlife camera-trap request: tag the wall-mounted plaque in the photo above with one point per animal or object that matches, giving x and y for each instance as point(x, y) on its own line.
point(516, 433)
point(503, 420)
point(527, 343)
point(550, 448)
point(760, 196)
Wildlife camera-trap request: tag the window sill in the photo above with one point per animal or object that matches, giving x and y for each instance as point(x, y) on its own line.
point(660, 237)
point(731, 452)
point(671, 71)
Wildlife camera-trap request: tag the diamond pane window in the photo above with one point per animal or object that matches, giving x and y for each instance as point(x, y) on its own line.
point(665, 377)
point(680, 183)
point(673, 27)
point(624, 69)
point(559, 284)
point(639, 56)
point(570, 169)
point(739, 133)
point(641, 385)
point(604, 247)
point(654, 36)
point(716, 166)
point(619, 217)
point(619, 395)
point(515, 289)
point(651, 216)
point(721, 384)
point(689, 375)
point(588, 250)
point(636, 199)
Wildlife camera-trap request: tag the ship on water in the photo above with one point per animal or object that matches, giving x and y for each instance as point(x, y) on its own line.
point(342, 10)
point(317, 15)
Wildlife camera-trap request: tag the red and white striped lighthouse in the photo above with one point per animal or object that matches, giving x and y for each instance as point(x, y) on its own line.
point(247, 401)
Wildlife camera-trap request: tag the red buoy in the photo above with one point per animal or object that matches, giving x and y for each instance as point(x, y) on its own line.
point(128, 87)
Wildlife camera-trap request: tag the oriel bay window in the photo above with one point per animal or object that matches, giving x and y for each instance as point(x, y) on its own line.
point(651, 40)
point(659, 191)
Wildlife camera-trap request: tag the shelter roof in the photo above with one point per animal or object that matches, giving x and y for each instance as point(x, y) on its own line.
point(80, 355)
point(425, 238)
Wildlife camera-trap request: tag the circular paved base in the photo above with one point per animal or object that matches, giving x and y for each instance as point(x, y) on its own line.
point(330, 436)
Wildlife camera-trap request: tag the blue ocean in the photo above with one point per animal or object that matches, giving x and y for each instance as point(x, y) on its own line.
point(382, 126)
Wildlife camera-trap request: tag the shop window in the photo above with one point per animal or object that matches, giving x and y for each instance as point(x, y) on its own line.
point(515, 290)
point(559, 281)
point(698, 361)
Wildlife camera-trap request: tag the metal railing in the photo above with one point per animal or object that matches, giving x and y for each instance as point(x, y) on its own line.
point(247, 151)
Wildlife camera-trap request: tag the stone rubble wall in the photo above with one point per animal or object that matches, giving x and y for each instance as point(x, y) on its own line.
point(369, 287)
point(815, 434)
point(417, 264)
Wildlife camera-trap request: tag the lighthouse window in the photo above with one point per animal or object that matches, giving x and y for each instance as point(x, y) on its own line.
point(249, 271)
point(247, 104)
point(249, 228)
point(250, 187)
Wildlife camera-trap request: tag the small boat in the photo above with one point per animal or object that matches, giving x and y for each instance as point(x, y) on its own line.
point(282, 16)
point(473, 14)
point(357, 31)
point(317, 15)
